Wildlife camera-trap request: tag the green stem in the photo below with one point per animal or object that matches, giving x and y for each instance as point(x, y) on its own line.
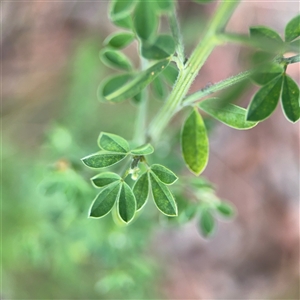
point(193, 65)
point(290, 60)
point(190, 99)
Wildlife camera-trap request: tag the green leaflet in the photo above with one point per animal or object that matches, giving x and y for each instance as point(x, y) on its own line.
point(194, 143)
point(126, 203)
point(105, 200)
point(226, 209)
point(113, 142)
point(207, 223)
point(165, 5)
point(290, 99)
point(102, 159)
point(265, 101)
point(295, 46)
point(112, 84)
point(119, 40)
point(145, 20)
point(163, 198)
point(138, 83)
point(203, 1)
point(266, 73)
point(159, 88)
point(104, 179)
point(162, 47)
point(115, 59)
point(292, 29)
point(227, 113)
point(170, 74)
point(143, 150)
point(165, 175)
point(125, 22)
point(141, 191)
point(120, 9)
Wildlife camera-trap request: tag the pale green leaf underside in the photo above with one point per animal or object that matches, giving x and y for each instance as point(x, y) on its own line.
point(113, 143)
point(194, 143)
point(163, 198)
point(229, 114)
point(126, 203)
point(104, 179)
point(141, 190)
point(138, 83)
point(143, 150)
point(102, 159)
point(105, 200)
point(165, 175)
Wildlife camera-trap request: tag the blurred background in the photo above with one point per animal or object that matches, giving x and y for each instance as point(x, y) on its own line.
point(51, 118)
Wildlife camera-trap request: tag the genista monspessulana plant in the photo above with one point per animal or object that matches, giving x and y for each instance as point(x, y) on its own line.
point(166, 71)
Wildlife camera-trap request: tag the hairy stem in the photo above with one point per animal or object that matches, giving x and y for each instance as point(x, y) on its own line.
point(192, 67)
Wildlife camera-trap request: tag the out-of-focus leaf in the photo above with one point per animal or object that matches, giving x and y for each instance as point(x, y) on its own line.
point(229, 114)
point(141, 190)
point(119, 40)
point(105, 200)
point(226, 209)
point(159, 88)
point(120, 9)
point(102, 159)
point(165, 5)
point(143, 150)
point(113, 142)
point(194, 143)
point(203, 1)
point(115, 59)
point(265, 101)
point(104, 179)
point(266, 73)
point(292, 29)
point(290, 99)
point(126, 203)
point(165, 175)
point(170, 74)
point(207, 223)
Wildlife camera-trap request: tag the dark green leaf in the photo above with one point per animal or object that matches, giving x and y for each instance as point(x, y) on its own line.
point(105, 200)
point(194, 143)
point(115, 59)
point(102, 159)
point(159, 89)
point(165, 175)
point(266, 73)
point(226, 209)
point(162, 47)
point(290, 99)
point(119, 40)
point(265, 101)
point(170, 74)
point(163, 198)
point(137, 99)
point(229, 114)
point(143, 150)
point(138, 83)
point(113, 142)
point(292, 29)
point(145, 20)
point(112, 84)
point(104, 179)
point(126, 203)
point(141, 190)
point(207, 223)
point(165, 5)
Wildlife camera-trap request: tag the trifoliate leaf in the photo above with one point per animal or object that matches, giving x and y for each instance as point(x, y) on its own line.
point(143, 150)
point(105, 200)
point(163, 198)
point(292, 29)
point(113, 142)
point(115, 59)
point(119, 40)
point(126, 203)
point(229, 114)
point(102, 159)
point(165, 175)
point(104, 179)
point(194, 143)
point(207, 223)
point(141, 190)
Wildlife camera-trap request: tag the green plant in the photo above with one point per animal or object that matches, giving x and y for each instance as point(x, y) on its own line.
point(168, 74)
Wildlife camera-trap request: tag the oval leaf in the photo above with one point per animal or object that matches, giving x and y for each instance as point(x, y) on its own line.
point(162, 47)
point(266, 73)
point(125, 22)
point(292, 29)
point(119, 40)
point(265, 101)
point(143, 150)
point(165, 5)
point(145, 20)
point(126, 203)
point(226, 209)
point(104, 179)
point(138, 83)
point(207, 223)
point(229, 114)
point(102, 159)
point(165, 175)
point(115, 59)
point(120, 9)
point(141, 191)
point(290, 99)
point(194, 143)
point(112, 142)
point(163, 198)
point(105, 200)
